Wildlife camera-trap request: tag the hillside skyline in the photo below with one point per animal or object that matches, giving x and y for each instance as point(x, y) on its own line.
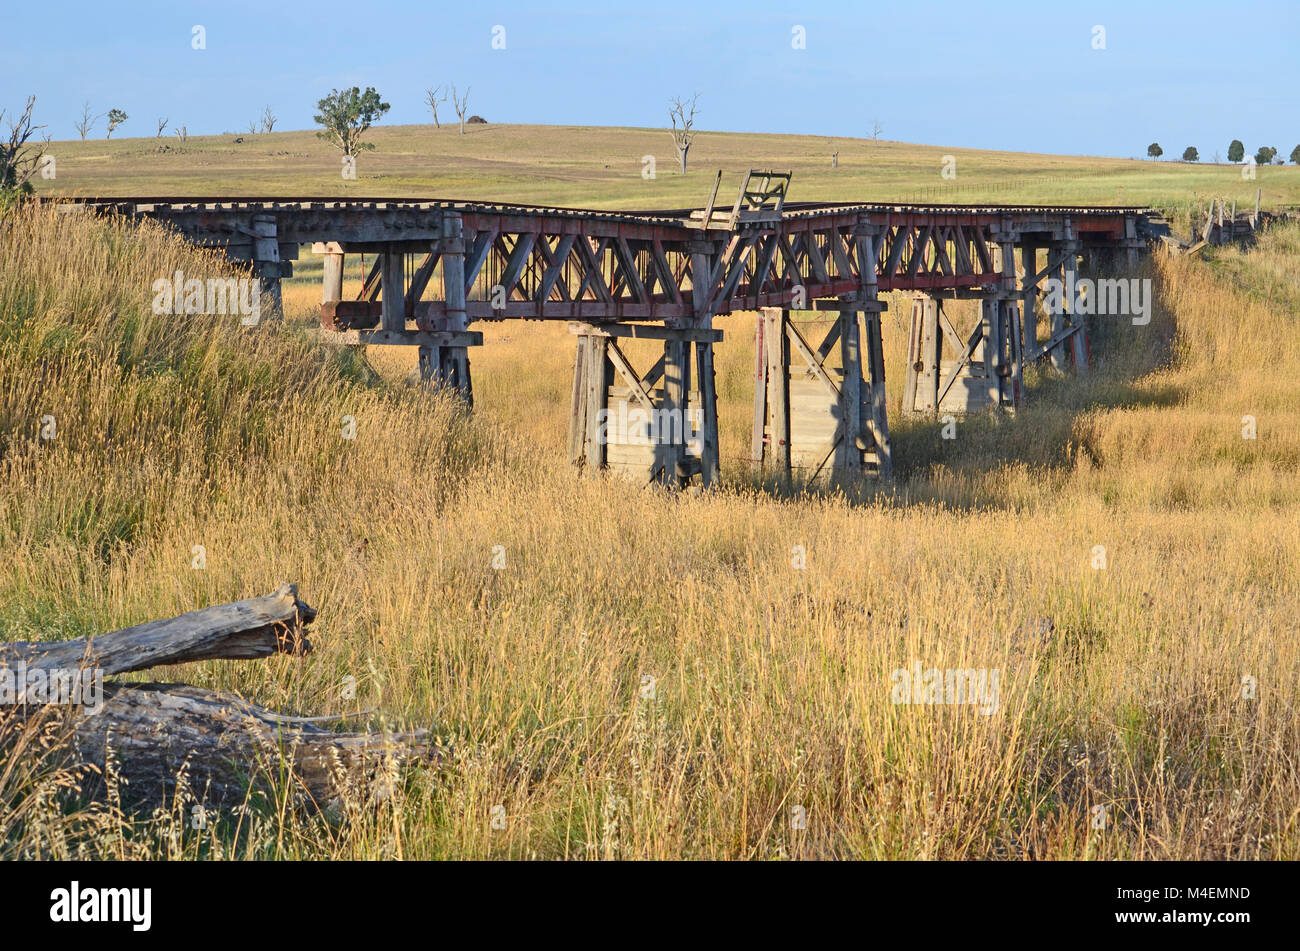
point(1108, 81)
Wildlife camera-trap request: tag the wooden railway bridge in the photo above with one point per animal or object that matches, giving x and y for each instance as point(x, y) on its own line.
point(819, 407)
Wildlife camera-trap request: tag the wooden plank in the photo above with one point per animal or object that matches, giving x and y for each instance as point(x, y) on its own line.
point(370, 286)
point(879, 421)
point(778, 388)
point(597, 371)
point(633, 379)
point(646, 332)
point(578, 408)
point(420, 280)
point(1029, 294)
point(476, 255)
point(407, 338)
point(710, 461)
point(760, 396)
point(976, 338)
point(849, 458)
point(814, 365)
point(674, 403)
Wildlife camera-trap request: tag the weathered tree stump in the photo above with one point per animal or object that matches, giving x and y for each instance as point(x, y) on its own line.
point(150, 739)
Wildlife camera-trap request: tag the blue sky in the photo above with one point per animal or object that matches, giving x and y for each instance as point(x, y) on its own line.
point(1017, 76)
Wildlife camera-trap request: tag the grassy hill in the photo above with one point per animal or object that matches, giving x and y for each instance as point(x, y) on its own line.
point(602, 168)
point(1121, 687)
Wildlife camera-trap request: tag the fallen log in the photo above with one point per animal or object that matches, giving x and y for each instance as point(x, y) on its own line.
point(241, 630)
point(147, 741)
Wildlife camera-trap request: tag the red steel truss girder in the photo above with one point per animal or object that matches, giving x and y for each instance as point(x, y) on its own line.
point(662, 268)
point(639, 265)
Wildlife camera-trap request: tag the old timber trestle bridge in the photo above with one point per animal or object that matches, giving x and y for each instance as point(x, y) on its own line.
point(819, 405)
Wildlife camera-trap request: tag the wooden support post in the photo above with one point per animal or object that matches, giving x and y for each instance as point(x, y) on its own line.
point(1014, 388)
point(921, 386)
point(1079, 339)
point(444, 366)
point(993, 345)
point(877, 422)
point(710, 462)
point(778, 389)
point(1061, 273)
point(1131, 241)
point(848, 455)
point(332, 282)
point(1010, 366)
point(393, 289)
point(874, 418)
point(578, 408)
point(760, 396)
point(266, 262)
point(598, 374)
point(452, 248)
point(677, 387)
point(1029, 295)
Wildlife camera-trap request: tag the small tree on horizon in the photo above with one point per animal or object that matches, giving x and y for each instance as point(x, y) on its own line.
point(269, 119)
point(1295, 155)
point(435, 97)
point(1154, 150)
point(115, 118)
point(1190, 154)
point(1236, 151)
point(346, 116)
point(1265, 155)
point(461, 104)
point(86, 122)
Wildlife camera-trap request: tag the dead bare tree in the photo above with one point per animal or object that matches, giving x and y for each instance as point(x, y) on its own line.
point(682, 114)
point(252, 127)
point(876, 129)
point(435, 97)
point(162, 126)
point(269, 120)
point(88, 120)
point(19, 160)
point(182, 133)
point(461, 103)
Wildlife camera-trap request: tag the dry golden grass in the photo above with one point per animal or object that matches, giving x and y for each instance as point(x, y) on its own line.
point(771, 684)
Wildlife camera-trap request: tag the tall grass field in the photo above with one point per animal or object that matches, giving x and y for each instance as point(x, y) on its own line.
point(621, 672)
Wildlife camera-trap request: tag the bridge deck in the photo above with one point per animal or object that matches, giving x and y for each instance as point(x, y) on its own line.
point(439, 266)
point(537, 262)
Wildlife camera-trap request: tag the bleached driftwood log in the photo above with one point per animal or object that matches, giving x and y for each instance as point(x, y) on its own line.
point(223, 748)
